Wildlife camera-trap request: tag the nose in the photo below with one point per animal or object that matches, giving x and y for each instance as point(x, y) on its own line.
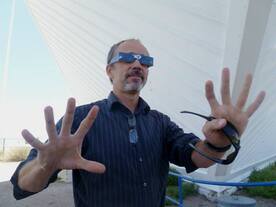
point(137, 64)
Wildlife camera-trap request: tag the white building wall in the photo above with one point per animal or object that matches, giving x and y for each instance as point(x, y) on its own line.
point(260, 138)
point(187, 39)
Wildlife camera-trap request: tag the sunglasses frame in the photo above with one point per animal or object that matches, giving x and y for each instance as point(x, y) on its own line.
point(230, 132)
point(131, 57)
point(132, 134)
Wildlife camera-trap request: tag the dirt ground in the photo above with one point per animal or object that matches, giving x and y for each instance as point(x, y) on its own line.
point(60, 194)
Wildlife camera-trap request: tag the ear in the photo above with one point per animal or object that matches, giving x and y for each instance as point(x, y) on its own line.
point(108, 70)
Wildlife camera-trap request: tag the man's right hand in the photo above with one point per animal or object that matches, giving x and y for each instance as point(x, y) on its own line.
point(63, 150)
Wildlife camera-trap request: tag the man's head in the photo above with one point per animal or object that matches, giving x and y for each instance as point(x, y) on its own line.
point(127, 77)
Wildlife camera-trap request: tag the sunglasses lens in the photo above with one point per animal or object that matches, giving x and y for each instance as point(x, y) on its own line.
point(127, 58)
point(131, 57)
point(133, 137)
point(148, 61)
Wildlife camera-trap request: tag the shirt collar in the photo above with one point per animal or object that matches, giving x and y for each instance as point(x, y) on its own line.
point(113, 101)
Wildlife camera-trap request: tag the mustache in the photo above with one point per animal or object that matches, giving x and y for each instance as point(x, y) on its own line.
point(135, 72)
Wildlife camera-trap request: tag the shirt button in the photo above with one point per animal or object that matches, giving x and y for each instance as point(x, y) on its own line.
point(140, 159)
point(145, 184)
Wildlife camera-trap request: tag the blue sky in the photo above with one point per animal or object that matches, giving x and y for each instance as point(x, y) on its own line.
point(34, 80)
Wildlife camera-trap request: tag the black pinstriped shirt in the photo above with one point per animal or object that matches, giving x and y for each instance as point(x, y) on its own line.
point(136, 173)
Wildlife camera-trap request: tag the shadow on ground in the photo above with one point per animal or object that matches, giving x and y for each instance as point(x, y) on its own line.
point(58, 194)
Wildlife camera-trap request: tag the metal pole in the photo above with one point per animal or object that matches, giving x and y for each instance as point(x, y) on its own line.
point(7, 58)
point(180, 192)
point(4, 140)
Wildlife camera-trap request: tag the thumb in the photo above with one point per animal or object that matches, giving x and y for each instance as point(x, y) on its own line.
point(215, 124)
point(91, 166)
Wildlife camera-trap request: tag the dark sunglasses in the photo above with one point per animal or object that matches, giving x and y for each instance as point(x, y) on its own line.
point(230, 132)
point(131, 57)
point(133, 136)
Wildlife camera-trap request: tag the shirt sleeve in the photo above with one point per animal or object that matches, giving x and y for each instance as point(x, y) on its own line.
point(19, 193)
point(179, 152)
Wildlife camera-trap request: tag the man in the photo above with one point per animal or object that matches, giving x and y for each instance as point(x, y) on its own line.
point(120, 149)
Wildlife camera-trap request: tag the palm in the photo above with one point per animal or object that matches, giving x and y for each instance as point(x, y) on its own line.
point(63, 150)
point(68, 153)
point(232, 114)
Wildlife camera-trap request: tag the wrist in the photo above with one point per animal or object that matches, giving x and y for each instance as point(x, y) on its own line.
point(216, 148)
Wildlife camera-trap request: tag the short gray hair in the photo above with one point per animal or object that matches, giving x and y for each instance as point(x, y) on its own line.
point(114, 47)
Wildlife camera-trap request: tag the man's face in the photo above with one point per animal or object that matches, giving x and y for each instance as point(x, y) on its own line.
point(129, 77)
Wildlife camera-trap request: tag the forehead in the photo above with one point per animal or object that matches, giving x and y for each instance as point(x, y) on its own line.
point(132, 46)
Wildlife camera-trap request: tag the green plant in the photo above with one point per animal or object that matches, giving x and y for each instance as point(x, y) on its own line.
point(187, 188)
point(266, 174)
point(172, 180)
point(172, 188)
point(16, 154)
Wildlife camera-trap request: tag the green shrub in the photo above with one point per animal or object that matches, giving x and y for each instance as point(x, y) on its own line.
point(266, 174)
point(172, 180)
point(16, 154)
point(188, 189)
point(172, 188)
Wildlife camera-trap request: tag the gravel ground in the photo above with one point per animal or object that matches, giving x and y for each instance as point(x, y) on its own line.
point(60, 194)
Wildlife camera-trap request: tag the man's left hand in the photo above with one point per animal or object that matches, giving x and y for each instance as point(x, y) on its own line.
point(236, 113)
